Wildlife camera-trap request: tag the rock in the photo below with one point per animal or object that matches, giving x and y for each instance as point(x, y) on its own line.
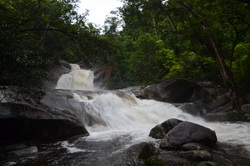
point(10, 163)
point(24, 152)
point(220, 116)
point(219, 101)
point(245, 107)
point(136, 90)
point(172, 91)
point(159, 131)
point(196, 109)
point(55, 73)
point(134, 150)
point(11, 147)
point(194, 146)
point(147, 151)
point(65, 102)
point(207, 163)
point(24, 122)
point(167, 158)
point(186, 132)
point(196, 155)
point(246, 111)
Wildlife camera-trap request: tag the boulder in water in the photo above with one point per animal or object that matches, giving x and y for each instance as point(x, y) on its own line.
point(172, 91)
point(24, 122)
point(159, 131)
point(186, 132)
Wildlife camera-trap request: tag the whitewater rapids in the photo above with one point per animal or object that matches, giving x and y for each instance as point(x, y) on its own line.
point(114, 113)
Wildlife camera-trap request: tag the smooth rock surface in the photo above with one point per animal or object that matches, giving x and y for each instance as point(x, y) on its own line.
point(159, 131)
point(186, 132)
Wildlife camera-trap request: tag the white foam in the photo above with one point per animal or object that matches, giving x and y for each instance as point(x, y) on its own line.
point(113, 114)
point(77, 79)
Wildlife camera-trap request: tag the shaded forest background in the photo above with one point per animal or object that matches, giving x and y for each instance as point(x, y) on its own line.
point(193, 39)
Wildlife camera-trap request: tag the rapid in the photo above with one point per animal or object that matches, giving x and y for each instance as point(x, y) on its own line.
point(120, 112)
point(117, 120)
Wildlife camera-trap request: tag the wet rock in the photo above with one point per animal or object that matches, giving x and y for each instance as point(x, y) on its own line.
point(147, 151)
point(172, 91)
point(11, 147)
point(66, 102)
point(196, 109)
point(136, 149)
point(159, 131)
point(167, 158)
point(246, 111)
point(136, 90)
point(196, 155)
point(186, 132)
point(55, 73)
point(207, 163)
point(25, 122)
point(221, 116)
point(245, 107)
point(219, 101)
point(24, 152)
point(194, 146)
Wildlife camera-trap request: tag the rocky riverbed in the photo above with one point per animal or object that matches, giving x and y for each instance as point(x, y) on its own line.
point(100, 127)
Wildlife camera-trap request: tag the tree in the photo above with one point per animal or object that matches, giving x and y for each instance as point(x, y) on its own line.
point(217, 27)
point(205, 36)
point(36, 33)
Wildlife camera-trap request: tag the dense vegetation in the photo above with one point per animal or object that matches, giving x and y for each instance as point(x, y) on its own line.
point(34, 34)
point(192, 39)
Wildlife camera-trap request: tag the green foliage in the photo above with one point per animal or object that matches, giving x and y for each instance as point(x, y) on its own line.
point(34, 34)
point(241, 66)
point(192, 39)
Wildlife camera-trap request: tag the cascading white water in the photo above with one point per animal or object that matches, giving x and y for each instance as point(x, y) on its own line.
point(77, 79)
point(117, 113)
point(121, 114)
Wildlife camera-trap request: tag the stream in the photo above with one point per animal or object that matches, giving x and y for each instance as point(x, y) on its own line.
point(117, 120)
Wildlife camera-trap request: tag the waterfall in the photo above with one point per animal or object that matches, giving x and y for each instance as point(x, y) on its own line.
point(110, 113)
point(77, 79)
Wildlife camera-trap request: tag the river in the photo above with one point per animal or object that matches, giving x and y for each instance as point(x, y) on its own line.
point(116, 120)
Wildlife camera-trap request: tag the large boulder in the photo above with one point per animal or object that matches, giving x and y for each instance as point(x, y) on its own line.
point(186, 132)
point(69, 101)
point(25, 122)
point(172, 91)
point(159, 131)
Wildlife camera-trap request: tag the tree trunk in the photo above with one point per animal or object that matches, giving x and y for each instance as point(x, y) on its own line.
point(226, 75)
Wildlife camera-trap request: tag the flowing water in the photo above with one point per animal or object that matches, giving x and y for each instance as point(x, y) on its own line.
point(122, 117)
point(117, 120)
point(121, 112)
